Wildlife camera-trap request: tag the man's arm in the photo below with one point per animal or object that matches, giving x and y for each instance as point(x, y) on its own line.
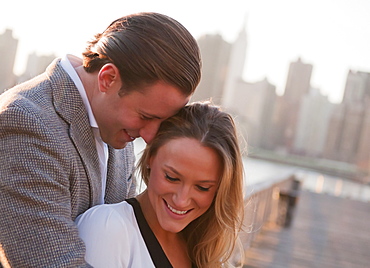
point(36, 226)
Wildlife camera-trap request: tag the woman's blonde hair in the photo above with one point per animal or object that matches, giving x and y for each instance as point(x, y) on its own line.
point(210, 238)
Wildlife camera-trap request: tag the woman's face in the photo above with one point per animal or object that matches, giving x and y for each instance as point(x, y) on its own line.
point(183, 181)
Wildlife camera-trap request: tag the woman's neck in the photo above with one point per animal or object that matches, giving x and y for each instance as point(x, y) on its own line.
point(172, 243)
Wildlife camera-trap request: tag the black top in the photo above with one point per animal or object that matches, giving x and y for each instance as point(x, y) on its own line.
point(156, 252)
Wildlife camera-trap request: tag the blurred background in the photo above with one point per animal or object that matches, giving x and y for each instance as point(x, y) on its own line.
point(294, 73)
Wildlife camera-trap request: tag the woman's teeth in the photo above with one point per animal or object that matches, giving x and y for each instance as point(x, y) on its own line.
point(176, 211)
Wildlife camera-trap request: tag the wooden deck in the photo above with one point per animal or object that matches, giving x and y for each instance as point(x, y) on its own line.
point(326, 232)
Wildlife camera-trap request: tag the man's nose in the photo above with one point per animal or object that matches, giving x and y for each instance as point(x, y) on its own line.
point(149, 131)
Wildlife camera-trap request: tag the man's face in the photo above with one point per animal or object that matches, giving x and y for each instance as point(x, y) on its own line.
point(121, 119)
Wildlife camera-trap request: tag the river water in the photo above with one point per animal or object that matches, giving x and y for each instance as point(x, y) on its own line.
point(257, 170)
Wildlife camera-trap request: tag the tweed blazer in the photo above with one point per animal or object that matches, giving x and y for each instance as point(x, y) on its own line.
point(49, 172)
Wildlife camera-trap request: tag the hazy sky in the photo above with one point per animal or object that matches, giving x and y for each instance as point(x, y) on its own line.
point(332, 35)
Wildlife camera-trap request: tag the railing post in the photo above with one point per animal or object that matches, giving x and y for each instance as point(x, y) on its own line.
point(287, 203)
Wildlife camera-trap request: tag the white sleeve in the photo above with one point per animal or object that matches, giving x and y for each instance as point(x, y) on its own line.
point(106, 237)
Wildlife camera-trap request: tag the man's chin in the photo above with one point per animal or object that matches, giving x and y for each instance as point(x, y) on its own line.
point(122, 146)
point(118, 145)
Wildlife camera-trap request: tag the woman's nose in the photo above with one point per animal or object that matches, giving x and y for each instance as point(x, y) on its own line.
point(182, 198)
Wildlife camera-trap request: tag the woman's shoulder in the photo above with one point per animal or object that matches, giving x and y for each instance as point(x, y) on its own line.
point(110, 216)
point(112, 237)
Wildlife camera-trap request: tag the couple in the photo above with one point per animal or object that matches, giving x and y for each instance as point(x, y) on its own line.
point(66, 145)
point(191, 210)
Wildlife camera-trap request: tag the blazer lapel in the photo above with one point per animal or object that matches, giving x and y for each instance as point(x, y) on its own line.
point(68, 103)
point(120, 174)
point(115, 178)
point(83, 139)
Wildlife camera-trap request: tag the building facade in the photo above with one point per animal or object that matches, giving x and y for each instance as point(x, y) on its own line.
point(8, 50)
point(215, 52)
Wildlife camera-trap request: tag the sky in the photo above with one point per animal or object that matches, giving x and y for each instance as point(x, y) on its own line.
point(332, 35)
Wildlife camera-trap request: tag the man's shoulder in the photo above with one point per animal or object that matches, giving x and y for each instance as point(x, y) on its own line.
point(34, 90)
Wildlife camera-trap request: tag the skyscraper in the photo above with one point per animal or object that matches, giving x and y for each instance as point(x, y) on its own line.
point(253, 106)
point(297, 86)
point(298, 81)
point(215, 53)
point(357, 87)
point(235, 68)
point(349, 132)
point(36, 64)
point(8, 50)
point(312, 125)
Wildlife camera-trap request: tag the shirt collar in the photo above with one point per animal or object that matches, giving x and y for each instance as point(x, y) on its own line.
point(67, 66)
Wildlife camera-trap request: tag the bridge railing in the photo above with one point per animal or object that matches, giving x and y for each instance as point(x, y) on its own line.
point(268, 202)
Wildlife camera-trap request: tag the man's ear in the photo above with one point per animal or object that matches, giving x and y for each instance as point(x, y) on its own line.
point(108, 77)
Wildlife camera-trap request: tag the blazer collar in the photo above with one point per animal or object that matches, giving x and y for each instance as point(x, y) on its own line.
point(68, 104)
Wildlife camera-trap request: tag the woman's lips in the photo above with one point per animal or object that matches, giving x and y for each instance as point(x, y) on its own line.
point(179, 212)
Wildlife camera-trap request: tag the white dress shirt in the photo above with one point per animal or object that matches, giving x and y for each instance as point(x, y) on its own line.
point(101, 146)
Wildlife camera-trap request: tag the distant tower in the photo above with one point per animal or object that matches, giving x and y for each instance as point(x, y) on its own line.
point(357, 87)
point(235, 68)
point(312, 125)
point(253, 108)
point(297, 86)
point(349, 131)
point(8, 50)
point(298, 81)
point(36, 65)
point(215, 53)
point(345, 129)
point(363, 153)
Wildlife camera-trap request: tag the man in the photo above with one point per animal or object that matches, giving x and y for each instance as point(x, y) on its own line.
point(66, 135)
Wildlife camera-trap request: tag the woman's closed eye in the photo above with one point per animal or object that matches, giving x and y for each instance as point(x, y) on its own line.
point(203, 189)
point(170, 178)
point(199, 187)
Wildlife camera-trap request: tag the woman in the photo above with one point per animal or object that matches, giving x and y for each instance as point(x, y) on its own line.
point(191, 211)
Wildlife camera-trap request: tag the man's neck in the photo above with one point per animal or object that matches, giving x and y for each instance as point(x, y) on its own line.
point(89, 80)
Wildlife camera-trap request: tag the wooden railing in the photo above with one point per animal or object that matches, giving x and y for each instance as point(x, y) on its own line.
point(271, 201)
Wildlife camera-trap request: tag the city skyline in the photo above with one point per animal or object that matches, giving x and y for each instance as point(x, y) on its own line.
point(327, 34)
point(340, 132)
point(301, 122)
